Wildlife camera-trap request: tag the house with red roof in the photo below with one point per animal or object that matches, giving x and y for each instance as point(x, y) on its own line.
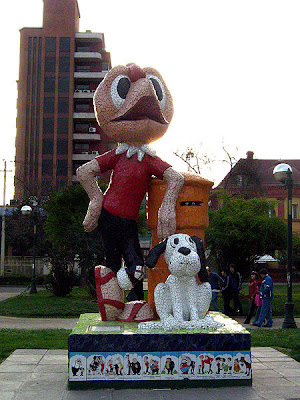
point(251, 177)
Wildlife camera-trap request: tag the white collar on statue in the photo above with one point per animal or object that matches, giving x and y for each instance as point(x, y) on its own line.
point(131, 150)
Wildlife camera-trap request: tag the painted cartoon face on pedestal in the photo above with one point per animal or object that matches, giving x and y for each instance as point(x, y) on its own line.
point(133, 105)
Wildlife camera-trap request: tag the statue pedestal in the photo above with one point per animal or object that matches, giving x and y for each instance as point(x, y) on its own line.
point(118, 355)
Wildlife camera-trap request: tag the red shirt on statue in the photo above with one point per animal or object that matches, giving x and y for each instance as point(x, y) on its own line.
point(129, 181)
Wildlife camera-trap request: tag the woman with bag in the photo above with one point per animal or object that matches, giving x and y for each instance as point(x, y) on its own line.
point(252, 294)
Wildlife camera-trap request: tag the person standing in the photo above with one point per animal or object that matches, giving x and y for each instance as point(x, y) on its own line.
point(235, 284)
point(252, 292)
point(258, 303)
point(215, 281)
point(266, 294)
point(226, 293)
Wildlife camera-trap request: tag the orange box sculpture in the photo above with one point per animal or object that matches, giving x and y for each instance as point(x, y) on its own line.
point(191, 218)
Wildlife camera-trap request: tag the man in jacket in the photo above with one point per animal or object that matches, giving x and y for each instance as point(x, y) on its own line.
point(266, 294)
point(215, 281)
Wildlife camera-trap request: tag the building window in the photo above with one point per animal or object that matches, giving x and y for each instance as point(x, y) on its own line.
point(79, 147)
point(50, 44)
point(75, 166)
point(47, 146)
point(62, 126)
point(240, 180)
point(64, 64)
point(63, 84)
point(62, 168)
point(62, 146)
point(294, 211)
point(49, 85)
point(82, 86)
point(83, 68)
point(50, 64)
point(49, 105)
point(81, 127)
point(63, 105)
point(82, 107)
point(83, 48)
point(105, 66)
point(47, 167)
point(64, 44)
point(48, 125)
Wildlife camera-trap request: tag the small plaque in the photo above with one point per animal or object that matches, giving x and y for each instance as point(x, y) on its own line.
point(102, 328)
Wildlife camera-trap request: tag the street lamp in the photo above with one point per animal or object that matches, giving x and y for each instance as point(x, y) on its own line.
point(27, 210)
point(283, 174)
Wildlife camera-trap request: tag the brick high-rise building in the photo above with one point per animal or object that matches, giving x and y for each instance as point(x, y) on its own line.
point(60, 69)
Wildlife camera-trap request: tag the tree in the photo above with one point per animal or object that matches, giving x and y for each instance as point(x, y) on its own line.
point(199, 161)
point(194, 158)
point(20, 228)
point(241, 229)
point(65, 213)
point(295, 253)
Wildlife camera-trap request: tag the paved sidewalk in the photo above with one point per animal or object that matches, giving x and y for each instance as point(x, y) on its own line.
point(37, 323)
point(277, 323)
point(42, 374)
point(6, 292)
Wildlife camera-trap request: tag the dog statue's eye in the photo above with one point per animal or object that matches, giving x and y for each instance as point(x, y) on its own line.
point(191, 240)
point(174, 243)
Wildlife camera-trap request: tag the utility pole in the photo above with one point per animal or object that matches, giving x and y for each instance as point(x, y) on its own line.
point(3, 224)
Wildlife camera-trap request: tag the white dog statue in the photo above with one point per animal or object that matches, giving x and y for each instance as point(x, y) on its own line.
point(181, 303)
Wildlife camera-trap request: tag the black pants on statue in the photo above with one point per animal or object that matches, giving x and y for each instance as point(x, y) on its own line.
point(120, 240)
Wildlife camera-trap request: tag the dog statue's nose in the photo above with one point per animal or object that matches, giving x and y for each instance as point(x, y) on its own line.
point(184, 250)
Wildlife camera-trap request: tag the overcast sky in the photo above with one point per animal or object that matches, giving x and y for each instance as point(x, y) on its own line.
point(233, 68)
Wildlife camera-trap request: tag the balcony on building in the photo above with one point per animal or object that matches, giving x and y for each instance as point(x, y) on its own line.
point(90, 75)
point(84, 131)
point(86, 137)
point(87, 55)
point(84, 115)
point(85, 156)
point(85, 89)
point(84, 94)
point(88, 36)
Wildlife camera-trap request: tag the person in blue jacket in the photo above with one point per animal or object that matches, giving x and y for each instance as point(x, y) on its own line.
point(266, 294)
point(215, 282)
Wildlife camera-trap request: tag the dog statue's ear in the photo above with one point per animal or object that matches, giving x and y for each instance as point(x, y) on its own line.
point(155, 253)
point(203, 275)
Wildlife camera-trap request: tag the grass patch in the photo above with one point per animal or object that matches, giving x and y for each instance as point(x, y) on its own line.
point(45, 304)
point(284, 340)
point(12, 339)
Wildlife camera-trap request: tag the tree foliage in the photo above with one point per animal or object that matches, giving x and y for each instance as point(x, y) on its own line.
point(19, 232)
point(65, 213)
point(241, 229)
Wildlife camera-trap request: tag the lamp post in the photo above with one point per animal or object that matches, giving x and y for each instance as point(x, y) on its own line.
point(283, 174)
point(27, 210)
